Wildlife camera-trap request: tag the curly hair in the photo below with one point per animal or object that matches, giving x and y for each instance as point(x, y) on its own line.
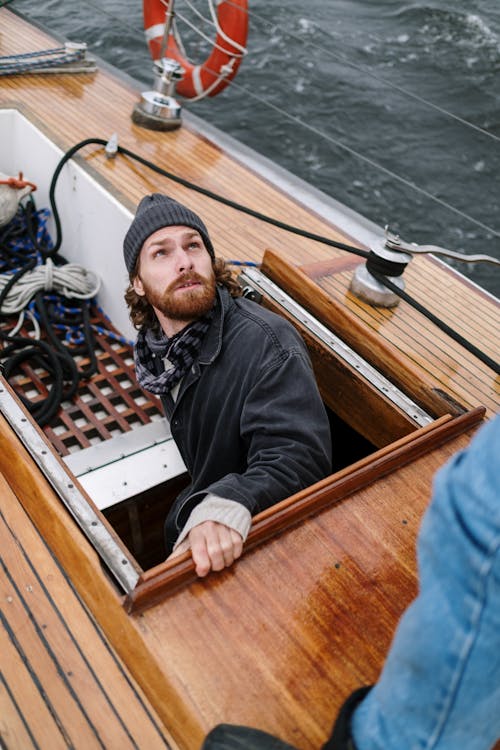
point(141, 312)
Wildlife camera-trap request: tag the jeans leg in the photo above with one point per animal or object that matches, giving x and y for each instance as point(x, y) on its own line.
point(440, 686)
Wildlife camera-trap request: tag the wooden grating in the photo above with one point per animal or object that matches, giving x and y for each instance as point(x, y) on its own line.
point(105, 406)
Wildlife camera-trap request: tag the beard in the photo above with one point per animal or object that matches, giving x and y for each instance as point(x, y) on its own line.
point(188, 305)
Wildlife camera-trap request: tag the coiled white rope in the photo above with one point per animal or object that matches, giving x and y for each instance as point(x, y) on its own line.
point(70, 280)
point(20, 323)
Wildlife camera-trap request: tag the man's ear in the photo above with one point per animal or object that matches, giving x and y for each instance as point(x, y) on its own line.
point(137, 286)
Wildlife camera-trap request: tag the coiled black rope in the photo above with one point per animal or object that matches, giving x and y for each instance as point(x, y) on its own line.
point(38, 354)
point(23, 243)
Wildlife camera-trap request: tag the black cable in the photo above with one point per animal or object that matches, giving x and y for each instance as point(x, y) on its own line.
point(191, 186)
point(70, 370)
point(245, 209)
point(43, 356)
point(13, 280)
point(31, 217)
point(90, 344)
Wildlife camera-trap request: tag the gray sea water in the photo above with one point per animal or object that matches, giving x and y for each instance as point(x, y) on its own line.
point(391, 107)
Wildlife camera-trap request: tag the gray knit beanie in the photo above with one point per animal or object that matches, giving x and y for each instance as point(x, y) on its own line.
point(154, 212)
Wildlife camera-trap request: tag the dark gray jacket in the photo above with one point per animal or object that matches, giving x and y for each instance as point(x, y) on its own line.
point(248, 420)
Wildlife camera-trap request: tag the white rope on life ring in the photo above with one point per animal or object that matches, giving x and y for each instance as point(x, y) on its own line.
point(213, 75)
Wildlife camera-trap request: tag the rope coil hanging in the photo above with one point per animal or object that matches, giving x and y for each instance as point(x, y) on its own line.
point(38, 287)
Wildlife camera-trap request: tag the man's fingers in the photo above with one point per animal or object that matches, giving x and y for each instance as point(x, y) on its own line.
point(183, 546)
point(199, 550)
point(230, 547)
point(214, 546)
point(237, 543)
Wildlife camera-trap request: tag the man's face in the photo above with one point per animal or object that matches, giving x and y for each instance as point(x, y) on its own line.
point(176, 276)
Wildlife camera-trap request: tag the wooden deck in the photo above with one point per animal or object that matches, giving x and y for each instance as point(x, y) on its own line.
point(279, 640)
point(61, 682)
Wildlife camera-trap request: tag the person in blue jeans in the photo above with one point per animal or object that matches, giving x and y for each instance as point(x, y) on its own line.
point(440, 686)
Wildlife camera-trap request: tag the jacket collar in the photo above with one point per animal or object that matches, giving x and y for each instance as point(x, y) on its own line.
point(212, 342)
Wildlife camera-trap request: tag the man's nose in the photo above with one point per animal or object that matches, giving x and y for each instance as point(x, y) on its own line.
point(184, 260)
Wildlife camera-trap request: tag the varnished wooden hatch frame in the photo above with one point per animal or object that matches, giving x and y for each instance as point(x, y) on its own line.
point(158, 582)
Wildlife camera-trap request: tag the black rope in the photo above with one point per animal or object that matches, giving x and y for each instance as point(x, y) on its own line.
point(495, 366)
point(13, 280)
point(21, 247)
point(191, 186)
point(21, 350)
point(377, 265)
point(70, 370)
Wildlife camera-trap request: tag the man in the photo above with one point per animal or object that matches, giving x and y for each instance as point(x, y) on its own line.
point(235, 381)
point(440, 686)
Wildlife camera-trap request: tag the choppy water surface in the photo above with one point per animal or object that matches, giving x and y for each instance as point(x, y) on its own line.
point(391, 107)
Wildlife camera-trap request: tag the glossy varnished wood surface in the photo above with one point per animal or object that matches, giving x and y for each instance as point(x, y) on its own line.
point(155, 584)
point(279, 641)
point(62, 684)
point(402, 343)
point(24, 485)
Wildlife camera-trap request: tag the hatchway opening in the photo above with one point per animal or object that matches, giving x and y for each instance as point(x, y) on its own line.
point(348, 445)
point(139, 519)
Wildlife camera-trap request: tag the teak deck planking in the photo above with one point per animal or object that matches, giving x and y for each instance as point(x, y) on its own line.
point(279, 640)
point(62, 684)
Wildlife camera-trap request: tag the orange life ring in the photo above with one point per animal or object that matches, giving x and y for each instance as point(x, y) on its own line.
point(222, 64)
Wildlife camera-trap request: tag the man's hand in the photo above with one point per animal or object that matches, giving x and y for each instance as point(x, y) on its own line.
point(213, 546)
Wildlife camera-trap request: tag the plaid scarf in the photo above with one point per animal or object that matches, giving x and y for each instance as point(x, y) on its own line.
point(178, 354)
